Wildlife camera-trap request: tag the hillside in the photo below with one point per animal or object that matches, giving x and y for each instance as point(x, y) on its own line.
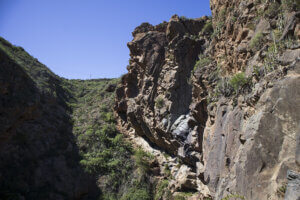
point(38, 153)
point(58, 136)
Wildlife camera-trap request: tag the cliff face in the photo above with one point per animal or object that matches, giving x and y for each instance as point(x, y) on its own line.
point(224, 103)
point(156, 91)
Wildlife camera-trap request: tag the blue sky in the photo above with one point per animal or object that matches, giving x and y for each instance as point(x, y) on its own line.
point(86, 38)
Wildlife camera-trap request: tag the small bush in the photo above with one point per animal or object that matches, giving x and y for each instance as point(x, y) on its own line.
point(160, 102)
point(160, 190)
point(179, 197)
point(208, 28)
point(222, 14)
point(256, 41)
point(142, 160)
point(238, 81)
point(281, 190)
point(223, 87)
point(234, 197)
point(202, 62)
point(218, 29)
point(137, 194)
point(256, 71)
point(233, 19)
point(270, 61)
point(167, 170)
point(109, 117)
point(277, 33)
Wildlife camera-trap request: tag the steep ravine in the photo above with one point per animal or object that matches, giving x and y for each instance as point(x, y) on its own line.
point(209, 109)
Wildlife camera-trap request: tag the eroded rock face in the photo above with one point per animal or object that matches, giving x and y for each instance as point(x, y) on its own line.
point(233, 136)
point(155, 95)
point(293, 186)
point(251, 154)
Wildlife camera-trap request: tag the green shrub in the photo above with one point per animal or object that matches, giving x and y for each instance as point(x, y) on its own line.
point(167, 170)
point(108, 156)
point(281, 190)
point(233, 19)
point(160, 189)
point(179, 197)
point(160, 102)
point(109, 117)
point(256, 71)
point(256, 41)
point(202, 62)
point(218, 29)
point(208, 27)
point(222, 14)
point(223, 87)
point(109, 130)
point(238, 81)
point(270, 61)
point(137, 194)
point(220, 23)
point(277, 33)
point(234, 197)
point(142, 160)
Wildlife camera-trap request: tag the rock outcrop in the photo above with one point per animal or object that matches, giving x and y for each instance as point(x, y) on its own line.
point(155, 95)
point(225, 104)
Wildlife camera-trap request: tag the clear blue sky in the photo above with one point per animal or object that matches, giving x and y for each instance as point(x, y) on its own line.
point(86, 38)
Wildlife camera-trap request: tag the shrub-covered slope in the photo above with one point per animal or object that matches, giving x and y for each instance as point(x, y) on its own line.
point(58, 137)
point(104, 152)
point(39, 158)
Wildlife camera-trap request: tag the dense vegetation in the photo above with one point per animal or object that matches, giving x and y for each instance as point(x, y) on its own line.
point(121, 171)
point(104, 152)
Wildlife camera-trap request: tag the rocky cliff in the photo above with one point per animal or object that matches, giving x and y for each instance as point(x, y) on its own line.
point(220, 95)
